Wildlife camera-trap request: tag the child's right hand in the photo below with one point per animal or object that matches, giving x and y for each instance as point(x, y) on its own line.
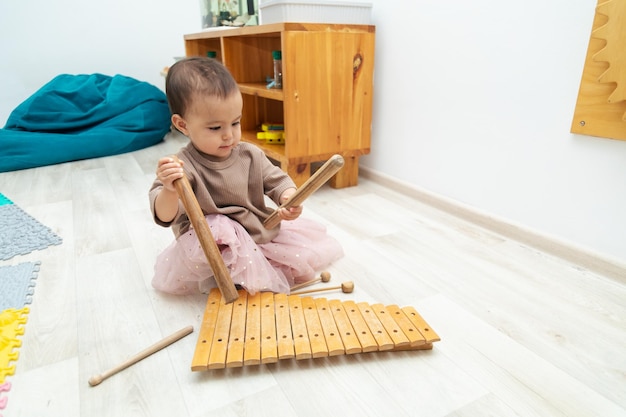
point(169, 171)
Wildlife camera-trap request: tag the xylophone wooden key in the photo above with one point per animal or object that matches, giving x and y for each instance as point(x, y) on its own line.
point(319, 348)
point(219, 345)
point(408, 328)
point(329, 327)
point(207, 330)
point(377, 329)
point(269, 347)
point(429, 334)
point(363, 333)
point(395, 332)
point(252, 353)
point(301, 343)
point(237, 333)
point(284, 335)
point(347, 332)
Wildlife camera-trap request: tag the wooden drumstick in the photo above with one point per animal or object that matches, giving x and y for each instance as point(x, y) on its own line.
point(315, 181)
point(97, 379)
point(346, 287)
point(211, 251)
point(324, 277)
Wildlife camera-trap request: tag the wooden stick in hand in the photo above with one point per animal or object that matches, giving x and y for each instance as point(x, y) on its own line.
point(315, 181)
point(211, 251)
point(97, 379)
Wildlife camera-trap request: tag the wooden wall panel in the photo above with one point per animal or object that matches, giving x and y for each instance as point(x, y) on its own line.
point(600, 107)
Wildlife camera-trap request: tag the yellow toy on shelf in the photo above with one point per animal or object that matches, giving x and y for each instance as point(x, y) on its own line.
point(273, 133)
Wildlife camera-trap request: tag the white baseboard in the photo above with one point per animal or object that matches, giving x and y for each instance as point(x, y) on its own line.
point(580, 257)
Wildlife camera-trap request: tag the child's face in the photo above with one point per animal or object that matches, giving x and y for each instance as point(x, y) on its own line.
point(212, 124)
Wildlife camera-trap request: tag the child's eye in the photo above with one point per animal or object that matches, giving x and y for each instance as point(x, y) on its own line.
point(214, 128)
point(237, 123)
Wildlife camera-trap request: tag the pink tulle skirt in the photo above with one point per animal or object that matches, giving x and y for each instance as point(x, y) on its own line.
point(301, 248)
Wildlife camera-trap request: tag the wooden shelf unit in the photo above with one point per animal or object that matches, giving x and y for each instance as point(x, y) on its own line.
point(326, 99)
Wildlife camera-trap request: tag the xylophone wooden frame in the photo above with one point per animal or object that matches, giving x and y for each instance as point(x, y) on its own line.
point(266, 327)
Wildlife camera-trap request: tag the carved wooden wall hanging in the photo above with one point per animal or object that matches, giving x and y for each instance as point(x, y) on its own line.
point(601, 104)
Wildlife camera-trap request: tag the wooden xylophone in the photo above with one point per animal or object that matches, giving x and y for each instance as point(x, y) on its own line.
point(267, 327)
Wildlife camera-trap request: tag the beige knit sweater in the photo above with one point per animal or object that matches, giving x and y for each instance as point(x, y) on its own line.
point(235, 187)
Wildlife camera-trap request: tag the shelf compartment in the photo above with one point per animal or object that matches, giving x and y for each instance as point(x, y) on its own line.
point(258, 110)
point(273, 151)
point(200, 47)
point(250, 58)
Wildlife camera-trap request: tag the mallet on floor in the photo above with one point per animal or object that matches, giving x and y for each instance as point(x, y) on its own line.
point(346, 287)
point(324, 277)
point(97, 379)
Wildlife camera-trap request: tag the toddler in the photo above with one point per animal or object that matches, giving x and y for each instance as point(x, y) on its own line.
point(231, 180)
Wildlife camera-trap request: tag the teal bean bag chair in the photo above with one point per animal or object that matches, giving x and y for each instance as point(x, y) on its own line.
point(83, 116)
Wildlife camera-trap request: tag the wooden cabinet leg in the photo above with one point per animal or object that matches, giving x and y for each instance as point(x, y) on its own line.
point(347, 176)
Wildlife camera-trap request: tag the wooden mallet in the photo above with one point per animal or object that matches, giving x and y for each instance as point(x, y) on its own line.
point(324, 277)
point(315, 181)
point(346, 287)
point(211, 251)
point(97, 379)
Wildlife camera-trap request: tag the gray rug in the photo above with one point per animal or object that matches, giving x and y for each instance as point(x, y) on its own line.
point(21, 233)
point(17, 284)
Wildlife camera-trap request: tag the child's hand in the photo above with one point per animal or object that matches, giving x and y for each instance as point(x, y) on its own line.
point(291, 213)
point(169, 171)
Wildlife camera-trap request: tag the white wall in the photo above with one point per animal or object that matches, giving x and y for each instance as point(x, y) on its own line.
point(473, 99)
point(40, 39)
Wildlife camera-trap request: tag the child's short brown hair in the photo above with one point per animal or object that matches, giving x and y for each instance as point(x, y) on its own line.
point(196, 75)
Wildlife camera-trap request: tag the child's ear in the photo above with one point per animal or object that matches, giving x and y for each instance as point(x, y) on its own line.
point(180, 124)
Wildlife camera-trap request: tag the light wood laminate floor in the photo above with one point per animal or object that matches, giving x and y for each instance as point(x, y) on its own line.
point(523, 333)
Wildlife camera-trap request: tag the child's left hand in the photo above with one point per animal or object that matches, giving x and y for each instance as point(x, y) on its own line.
point(291, 213)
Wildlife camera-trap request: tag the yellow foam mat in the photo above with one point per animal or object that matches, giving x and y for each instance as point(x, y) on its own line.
point(12, 325)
